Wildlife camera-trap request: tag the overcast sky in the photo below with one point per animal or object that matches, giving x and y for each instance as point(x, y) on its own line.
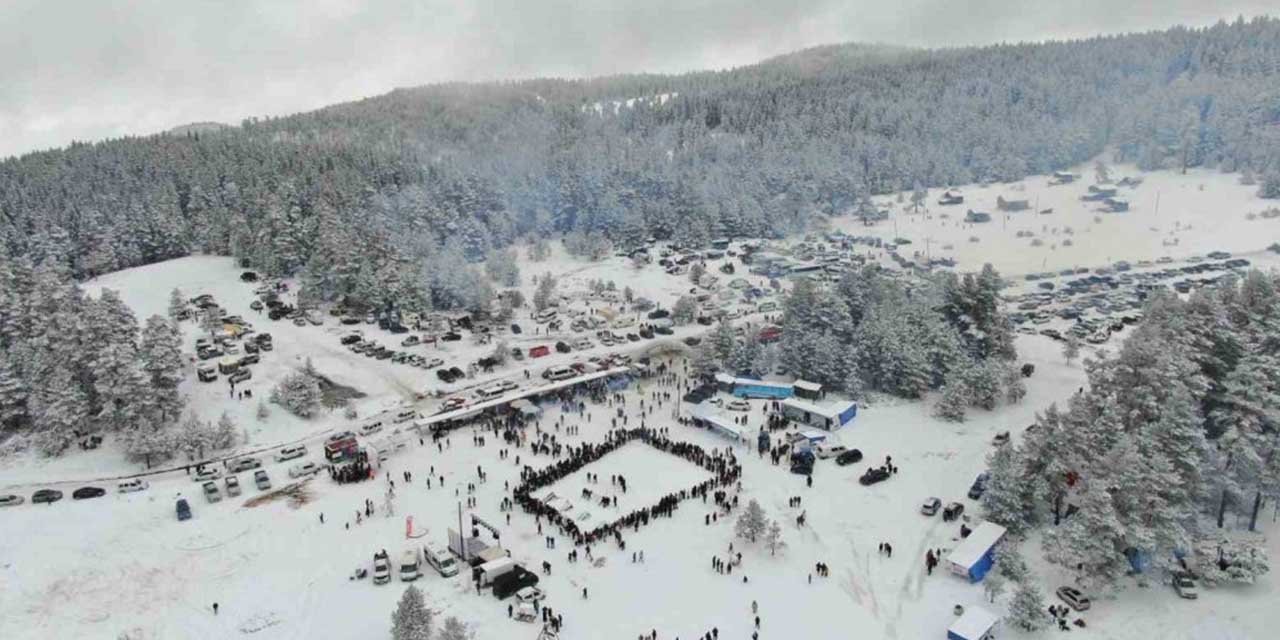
point(90, 69)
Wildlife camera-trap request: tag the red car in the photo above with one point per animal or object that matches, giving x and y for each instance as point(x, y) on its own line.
point(540, 351)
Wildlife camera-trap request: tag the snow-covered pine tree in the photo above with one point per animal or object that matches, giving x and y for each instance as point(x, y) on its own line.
point(544, 293)
point(696, 271)
point(298, 393)
point(177, 304)
point(223, 435)
point(752, 523)
point(1015, 389)
point(684, 310)
point(123, 389)
point(13, 394)
point(983, 382)
point(61, 409)
point(1091, 541)
point(161, 353)
point(196, 436)
point(1026, 608)
point(723, 343)
point(1071, 348)
point(412, 619)
point(150, 445)
point(773, 539)
point(454, 629)
point(1008, 500)
point(703, 364)
point(952, 402)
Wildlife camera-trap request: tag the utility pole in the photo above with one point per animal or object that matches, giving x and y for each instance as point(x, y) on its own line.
point(462, 534)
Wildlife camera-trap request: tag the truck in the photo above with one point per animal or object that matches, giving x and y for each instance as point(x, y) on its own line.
point(486, 573)
point(409, 566)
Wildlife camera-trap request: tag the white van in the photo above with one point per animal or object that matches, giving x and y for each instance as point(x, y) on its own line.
point(545, 316)
point(490, 392)
point(559, 373)
point(829, 450)
point(440, 560)
point(291, 453)
point(409, 566)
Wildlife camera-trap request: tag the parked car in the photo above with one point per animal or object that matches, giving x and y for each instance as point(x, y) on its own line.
point(183, 509)
point(738, 405)
point(873, 475)
point(84, 493)
point(849, 457)
point(233, 486)
point(381, 568)
point(11, 500)
point(931, 506)
point(1185, 586)
point(240, 375)
point(211, 492)
point(303, 470)
point(530, 594)
point(979, 486)
point(411, 341)
point(244, 464)
point(206, 474)
point(261, 479)
point(1072, 596)
point(952, 511)
point(132, 485)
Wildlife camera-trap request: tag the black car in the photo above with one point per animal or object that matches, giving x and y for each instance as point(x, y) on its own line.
point(663, 331)
point(658, 313)
point(249, 358)
point(849, 457)
point(84, 493)
point(256, 305)
point(350, 339)
point(563, 347)
point(350, 320)
point(451, 337)
point(444, 375)
point(515, 329)
point(251, 347)
point(693, 341)
point(874, 475)
point(979, 485)
point(46, 495)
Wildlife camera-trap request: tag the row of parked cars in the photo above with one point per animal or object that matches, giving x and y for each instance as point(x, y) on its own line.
point(49, 496)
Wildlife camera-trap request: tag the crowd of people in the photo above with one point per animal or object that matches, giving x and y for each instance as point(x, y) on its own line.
point(724, 468)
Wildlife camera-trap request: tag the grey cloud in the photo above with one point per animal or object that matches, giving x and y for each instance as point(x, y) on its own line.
point(87, 70)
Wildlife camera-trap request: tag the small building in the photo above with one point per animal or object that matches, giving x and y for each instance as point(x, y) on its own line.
point(1012, 205)
point(975, 624)
point(827, 416)
point(809, 390)
point(976, 553)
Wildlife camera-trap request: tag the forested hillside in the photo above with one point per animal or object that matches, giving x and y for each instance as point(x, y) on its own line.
point(364, 197)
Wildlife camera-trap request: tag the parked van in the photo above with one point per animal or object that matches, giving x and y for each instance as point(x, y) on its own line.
point(207, 373)
point(559, 373)
point(440, 560)
point(545, 316)
point(290, 453)
point(409, 566)
point(184, 510)
point(405, 416)
point(490, 392)
point(829, 450)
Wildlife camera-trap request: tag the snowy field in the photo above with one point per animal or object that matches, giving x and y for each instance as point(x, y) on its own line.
point(1170, 215)
point(123, 563)
point(635, 462)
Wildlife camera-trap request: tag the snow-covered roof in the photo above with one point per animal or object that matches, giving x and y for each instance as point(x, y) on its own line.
point(829, 411)
point(515, 395)
point(808, 386)
point(975, 622)
point(724, 378)
point(707, 414)
point(980, 540)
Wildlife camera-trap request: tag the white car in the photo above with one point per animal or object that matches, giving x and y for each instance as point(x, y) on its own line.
point(132, 485)
point(530, 594)
point(291, 453)
point(11, 500)
point(738, 405)
point(433, 363)
point(303, 470)
point(207, 475)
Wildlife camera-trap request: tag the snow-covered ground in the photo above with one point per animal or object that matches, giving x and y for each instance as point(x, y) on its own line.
point(123, 563)
point(1170, 215)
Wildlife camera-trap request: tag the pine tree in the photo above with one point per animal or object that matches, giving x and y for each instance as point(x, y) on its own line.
point(161, 353)
point(696, 271)
point(684, 310)
point(752, 522)
point(543, 295)
point(1008, 500)
point(60, 410)
point(703, 364)
point(1027, 608)
point(952, 403)
point(298, 393)
point(412, 619)
point(983, 382)
point(149, 444)
point(1071, 347)
point(993, 585)
point(773, 539)
point(177, 304)
point(1093, 540)
point(224, 433)
point(195, 436)
point(454, 629)
point(1015, 389)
